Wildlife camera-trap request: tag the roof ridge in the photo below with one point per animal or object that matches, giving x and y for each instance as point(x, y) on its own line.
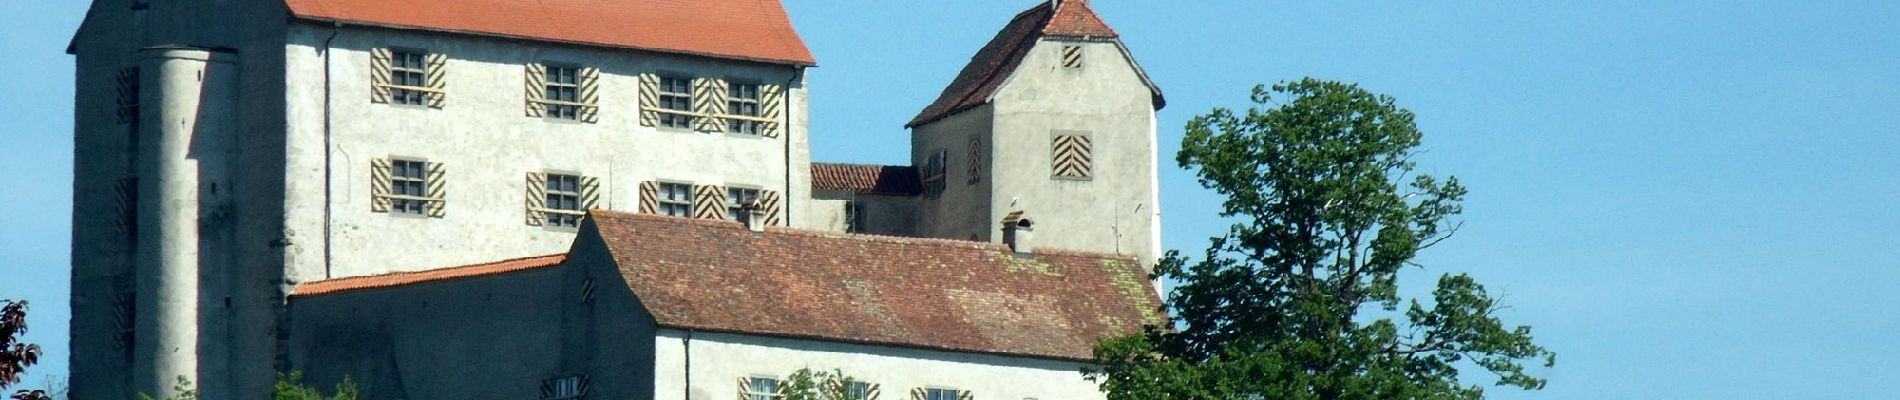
point(825, 234)
point(404, 278)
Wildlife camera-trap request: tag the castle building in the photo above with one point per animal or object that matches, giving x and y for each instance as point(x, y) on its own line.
point(328, 185)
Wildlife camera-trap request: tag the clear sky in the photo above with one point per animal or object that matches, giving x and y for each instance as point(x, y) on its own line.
point(1685, 199)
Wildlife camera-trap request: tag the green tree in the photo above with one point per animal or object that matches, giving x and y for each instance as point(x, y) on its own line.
point(16, 355)
point(1300, 300)
point(805, 384)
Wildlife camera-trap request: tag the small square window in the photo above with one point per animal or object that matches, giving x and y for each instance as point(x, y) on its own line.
point(854, 390)
point(742, 99)
point(407, 183)
point(676, 200)
point(941, 394)
point(676, 102)
point(564, 200)
point(758, 388)
point(735, 202)
point(563, 92)
point(407, 72)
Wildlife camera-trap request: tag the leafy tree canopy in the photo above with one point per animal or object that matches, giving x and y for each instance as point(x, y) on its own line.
point(1300, 300)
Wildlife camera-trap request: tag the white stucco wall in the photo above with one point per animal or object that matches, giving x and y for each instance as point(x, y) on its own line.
point(1107, 100)
point(488, 146)
point(718, 360)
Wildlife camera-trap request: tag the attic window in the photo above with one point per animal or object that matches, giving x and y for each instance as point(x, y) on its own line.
point(1072, 56)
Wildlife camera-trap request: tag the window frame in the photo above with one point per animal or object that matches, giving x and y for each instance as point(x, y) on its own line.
point(564, 384)
point(735, 207)
point(955, 393)
point(408, 83)
point(557, 216)
point(676, 118)
point(751, 124)
point(753, 380)
point(666, 203)
point(561, 94)
point(400, 202)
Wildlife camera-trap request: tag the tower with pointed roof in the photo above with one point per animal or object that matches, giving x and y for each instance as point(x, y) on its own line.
point(1053, 117)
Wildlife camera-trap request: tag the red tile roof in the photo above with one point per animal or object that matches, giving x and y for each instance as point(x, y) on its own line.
point(409, 278)
point(993, 65)
point(755, 30)
point(871, 179)
point(923, 293)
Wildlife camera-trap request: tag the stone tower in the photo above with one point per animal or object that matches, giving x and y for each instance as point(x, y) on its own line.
point(1054, 118)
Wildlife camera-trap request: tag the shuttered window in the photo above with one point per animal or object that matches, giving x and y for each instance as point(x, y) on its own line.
point(563, 92)
point(742, 105)
point(676, 102)
point(407, 72)
point(564, 200)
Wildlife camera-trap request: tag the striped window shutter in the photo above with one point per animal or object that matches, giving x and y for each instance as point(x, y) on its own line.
point(770, 98)
point(963, 395)
point(126, 192)
point(649, 197)
point(590, 192)
point(745, 388)
point(649, 100)
point(379, 68)
point(124, 308)
point(918, 394)
point(710, 95)
point(769, 201)
point(709, 202)
point(1074, 157)
point(537, 89)
point(437, 196)
point(975, 168)
point(128, 83)
point(870, 393)
point(1072, 57)
point(537, 198)
point(590, 95)
point(379, 185)
point(437, 62)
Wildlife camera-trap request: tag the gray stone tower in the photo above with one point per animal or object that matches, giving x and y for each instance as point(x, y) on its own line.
point(1054, 118)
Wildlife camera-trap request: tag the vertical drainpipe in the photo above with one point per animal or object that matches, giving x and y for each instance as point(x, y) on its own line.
point(786, 200)
point(182, 166)
point(687, 343)
point(335, 28)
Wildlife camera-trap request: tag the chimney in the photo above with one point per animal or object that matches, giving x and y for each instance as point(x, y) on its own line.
point(754, 216)
point(1019, 233)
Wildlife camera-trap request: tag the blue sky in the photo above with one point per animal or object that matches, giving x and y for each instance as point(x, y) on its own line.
point(1685, 199)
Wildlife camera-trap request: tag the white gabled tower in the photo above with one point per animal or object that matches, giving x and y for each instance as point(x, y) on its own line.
point(1053, 117)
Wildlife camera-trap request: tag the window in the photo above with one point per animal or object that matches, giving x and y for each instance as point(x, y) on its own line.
point(933, 173)
point(406, 73)
point(941, 394)
point(854, 390)
point(564, 200)
point(676, 102)
point(1072, 57)
point(407, 180)
point(853, 217)
point(759, 388)
point(742, 100)
point(563, 92)
point(975, 169)
point(567, 388)
point(676, 200)
point(736, 198)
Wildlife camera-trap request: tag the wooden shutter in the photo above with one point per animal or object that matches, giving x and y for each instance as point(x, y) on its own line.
point(918, 394)
point(434, 191)
point(590, 192)
point(870, 392)
point(436, 63)
point(537, 89)
point(649, 197)
point(963, 395)
point(709, 96)
point(1073, 157)
point(769, 201)
point(649, 100)
point(128, 83)
point(379, 69)
point(709, 202)
point(745, 388)
point(590, 95)
point(124, 313)
point(126, 192)
point(537, 198)
point(379, 185)
point(770, 98)
point(975, 168)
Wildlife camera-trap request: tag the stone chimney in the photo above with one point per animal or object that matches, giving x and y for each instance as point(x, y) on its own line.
point(1019, 233)
point(754, 216)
